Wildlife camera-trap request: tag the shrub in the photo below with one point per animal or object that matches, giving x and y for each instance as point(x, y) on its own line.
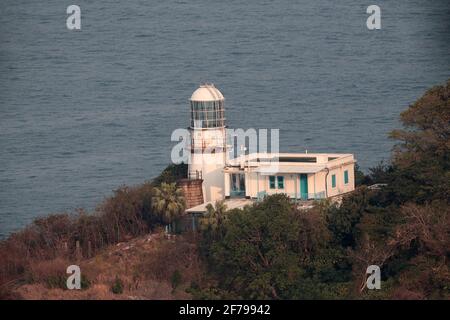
point(175, 279)
point(52, 273)
point(171, 174)
point(117, 286)
point(85, 282)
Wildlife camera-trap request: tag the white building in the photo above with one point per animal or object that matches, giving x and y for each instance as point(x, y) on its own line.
point(302, 176)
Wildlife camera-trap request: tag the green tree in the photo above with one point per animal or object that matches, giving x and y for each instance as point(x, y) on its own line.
point(169, 202)
point(422, 156)
point(172, 173)
point(214, 217)
point(360, 177)
point(271, 250)
point(342, 220)
point(424, 233)
point(256, 258)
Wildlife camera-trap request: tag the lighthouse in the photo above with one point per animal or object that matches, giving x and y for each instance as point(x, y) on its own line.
point(239, 181)
point(208, 140)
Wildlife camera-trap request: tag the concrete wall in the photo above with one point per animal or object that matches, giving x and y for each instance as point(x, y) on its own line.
point(208, 157)
point(257, 182)
point(291, 184)
point(341, 187)
point(319, 183)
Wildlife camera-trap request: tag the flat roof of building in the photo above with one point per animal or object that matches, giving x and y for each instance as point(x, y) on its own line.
point(289, 162)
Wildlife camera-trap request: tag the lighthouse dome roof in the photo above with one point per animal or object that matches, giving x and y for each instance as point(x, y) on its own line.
point(207, 92)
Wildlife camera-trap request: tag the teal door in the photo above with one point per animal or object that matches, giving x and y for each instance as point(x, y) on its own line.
point(304, 187)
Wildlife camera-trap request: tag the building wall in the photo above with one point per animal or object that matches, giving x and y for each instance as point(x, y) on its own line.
point(341, 187)
point(318, 183)
point(255, 185)
point(208, 157)
point(192, 190)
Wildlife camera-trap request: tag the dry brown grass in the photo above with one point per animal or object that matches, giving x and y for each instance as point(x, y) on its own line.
point(144, 265)
point(38, 252)
point(125, 215)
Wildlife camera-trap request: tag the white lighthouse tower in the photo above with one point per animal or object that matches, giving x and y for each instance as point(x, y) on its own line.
point(208, 140)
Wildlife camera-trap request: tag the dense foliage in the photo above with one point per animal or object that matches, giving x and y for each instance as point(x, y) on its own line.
point(273, 250)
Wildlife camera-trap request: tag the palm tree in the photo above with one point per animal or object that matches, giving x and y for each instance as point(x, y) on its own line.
point(215, 217)
point(168, 201)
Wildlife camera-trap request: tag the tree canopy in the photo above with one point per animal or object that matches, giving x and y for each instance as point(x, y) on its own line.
point(422, 156)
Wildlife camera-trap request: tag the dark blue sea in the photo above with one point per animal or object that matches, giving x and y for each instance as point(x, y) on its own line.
point(84, 112)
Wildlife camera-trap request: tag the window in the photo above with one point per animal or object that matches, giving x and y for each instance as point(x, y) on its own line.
point(333, 181)
point(346, 177)
point(237, 184)
point(280, 182)
point(207, 114)
point(276, 182)
point(272, 182)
